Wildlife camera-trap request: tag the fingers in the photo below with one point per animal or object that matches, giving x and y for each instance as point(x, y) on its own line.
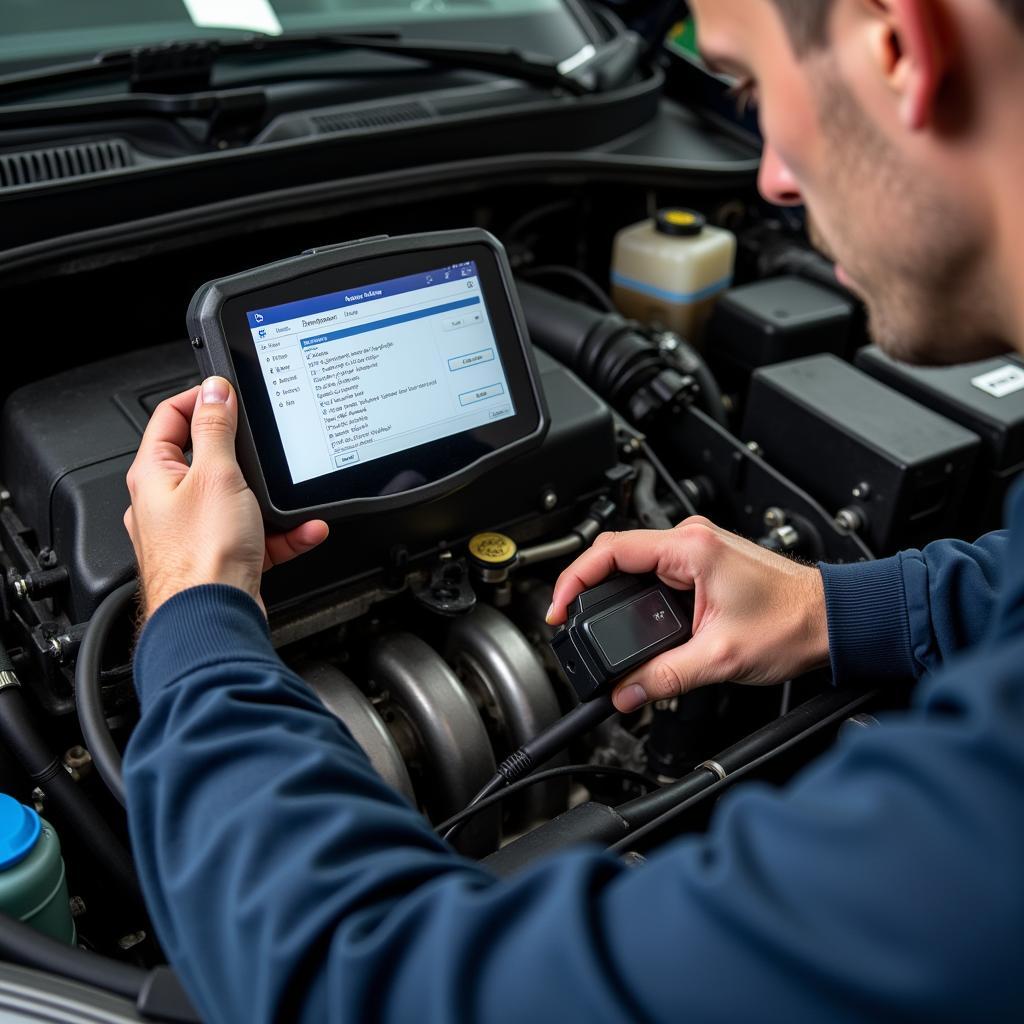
point(214, 423)
point(638, 551)
point(696, 663)
point(284, 546)
point(161, 450)
point(673, 554)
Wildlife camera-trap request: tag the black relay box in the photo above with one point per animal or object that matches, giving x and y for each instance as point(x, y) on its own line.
point(617, 626)
point(779, 319)
point(985, 397)
point(860, 446)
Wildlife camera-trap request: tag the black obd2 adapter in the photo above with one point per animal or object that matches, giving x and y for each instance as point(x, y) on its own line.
point(617, 626)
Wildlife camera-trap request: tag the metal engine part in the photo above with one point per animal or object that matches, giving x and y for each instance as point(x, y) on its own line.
point(496, 662)
point(492, 672)
point(454, 742)
point(347, 702)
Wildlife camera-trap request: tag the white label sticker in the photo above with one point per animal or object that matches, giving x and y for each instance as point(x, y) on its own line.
point(1006, 380)
point(251, 15)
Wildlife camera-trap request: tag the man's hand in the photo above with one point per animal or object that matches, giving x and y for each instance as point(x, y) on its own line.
point(200, 524)
point(758, 617)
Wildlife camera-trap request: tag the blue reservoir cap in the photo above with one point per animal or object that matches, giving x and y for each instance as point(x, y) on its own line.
point(19, 830)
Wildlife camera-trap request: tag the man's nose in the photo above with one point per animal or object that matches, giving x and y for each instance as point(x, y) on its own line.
point(776, 182)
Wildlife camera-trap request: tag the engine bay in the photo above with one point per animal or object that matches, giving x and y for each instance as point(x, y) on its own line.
point(423, 628)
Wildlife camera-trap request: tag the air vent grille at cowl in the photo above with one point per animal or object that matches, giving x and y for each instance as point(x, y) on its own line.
point(377, 117)
point(35, 166)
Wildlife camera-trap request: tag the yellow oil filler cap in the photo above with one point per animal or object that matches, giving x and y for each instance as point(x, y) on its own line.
point(493, 554)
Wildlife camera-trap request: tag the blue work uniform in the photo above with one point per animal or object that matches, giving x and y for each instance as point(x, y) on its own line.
point(287, 882)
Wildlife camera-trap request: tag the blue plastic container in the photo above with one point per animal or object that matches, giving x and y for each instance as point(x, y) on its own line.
point(33, 886)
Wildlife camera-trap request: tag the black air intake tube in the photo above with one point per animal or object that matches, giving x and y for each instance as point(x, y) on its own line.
point(616, 359)
point(605, 349)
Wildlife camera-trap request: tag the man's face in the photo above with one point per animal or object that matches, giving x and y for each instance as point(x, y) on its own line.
point(898, 219)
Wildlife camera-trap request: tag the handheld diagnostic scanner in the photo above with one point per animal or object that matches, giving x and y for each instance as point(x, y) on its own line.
point(372, 375)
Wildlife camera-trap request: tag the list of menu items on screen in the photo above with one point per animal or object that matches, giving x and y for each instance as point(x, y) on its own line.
point(357, 375)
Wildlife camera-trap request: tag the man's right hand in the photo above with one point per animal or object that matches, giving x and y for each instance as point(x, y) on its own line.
point(758, 617)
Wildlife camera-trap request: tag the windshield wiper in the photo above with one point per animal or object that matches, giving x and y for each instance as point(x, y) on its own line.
point(187, 66)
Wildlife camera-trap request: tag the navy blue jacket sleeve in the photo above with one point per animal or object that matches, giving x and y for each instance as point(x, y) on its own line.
point(901, 617)
point(287, 882)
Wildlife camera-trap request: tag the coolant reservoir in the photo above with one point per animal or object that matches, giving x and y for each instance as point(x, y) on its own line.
point(668, 271)
point(33, 888)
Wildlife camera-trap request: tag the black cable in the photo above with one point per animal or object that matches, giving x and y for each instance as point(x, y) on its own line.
point(787, 692)
point(156, 993)
point(20, 735)
point(88, 697)
point(689, 361)
point(600, 297)
point(543, 747)
point(838, 705)
point(611, 771)
point(648, 509)
point(789, 257)
point(670, 482)
point(531, 217)
point(808, 716)
point(21, 944)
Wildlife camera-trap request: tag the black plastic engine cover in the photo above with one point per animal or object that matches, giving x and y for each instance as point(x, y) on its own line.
point(68, 440)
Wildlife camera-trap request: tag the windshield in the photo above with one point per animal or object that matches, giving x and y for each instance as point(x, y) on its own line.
point(39, 31)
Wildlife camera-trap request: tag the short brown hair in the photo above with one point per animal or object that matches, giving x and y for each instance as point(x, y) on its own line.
point(807, 20)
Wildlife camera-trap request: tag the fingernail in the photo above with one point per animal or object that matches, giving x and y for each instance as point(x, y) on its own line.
point(550, 614)
point(629, 698)
point(215, 391)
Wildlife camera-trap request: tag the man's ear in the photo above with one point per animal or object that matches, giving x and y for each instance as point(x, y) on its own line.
point(912, 49)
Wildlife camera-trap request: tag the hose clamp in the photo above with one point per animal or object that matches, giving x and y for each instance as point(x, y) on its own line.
point(7, 679)
point(716, 768)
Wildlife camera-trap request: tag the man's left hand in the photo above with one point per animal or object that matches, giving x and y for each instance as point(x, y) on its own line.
point(199, 524)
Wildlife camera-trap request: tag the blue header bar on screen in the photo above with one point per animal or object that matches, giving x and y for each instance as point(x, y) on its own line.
point(354, 296)
point(391, 321)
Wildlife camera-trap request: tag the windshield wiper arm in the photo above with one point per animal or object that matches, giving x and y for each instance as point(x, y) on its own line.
point(187, 66)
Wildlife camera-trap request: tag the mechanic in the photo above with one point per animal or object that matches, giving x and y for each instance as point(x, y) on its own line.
point(288, 882)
